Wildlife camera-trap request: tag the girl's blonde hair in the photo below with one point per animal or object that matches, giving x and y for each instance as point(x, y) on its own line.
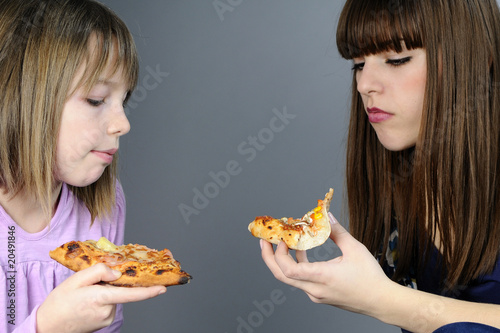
point(42, 44)
point(449, 183)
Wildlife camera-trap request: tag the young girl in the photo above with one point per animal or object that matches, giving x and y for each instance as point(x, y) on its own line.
point(66, 69)
point(423, 170)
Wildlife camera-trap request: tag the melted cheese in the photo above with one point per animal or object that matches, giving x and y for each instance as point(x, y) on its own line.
point(140, 254)
point(120, 254)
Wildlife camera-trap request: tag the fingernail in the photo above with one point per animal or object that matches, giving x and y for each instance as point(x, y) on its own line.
point(116, 273)
point(260, 243)
point(162, 291)
point(333, 220)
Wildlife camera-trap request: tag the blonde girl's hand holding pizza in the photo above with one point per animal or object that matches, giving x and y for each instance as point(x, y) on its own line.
point(80, 304)
point(354, 281)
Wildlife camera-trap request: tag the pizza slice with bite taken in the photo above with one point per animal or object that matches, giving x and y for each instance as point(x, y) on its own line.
point(312, 230)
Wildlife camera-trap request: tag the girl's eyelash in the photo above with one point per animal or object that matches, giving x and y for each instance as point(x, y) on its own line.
point(125, 101)
point(392, 62)
point(94, 102)
point(398, 62)
point(358, 66)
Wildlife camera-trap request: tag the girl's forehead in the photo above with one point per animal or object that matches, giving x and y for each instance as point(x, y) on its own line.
point(89, 75)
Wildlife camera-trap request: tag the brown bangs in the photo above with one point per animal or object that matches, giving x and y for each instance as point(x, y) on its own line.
point(374, 26)
point(109, 45)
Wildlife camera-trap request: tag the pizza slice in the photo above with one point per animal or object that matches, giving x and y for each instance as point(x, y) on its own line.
point(140, 266)
point(312, 230)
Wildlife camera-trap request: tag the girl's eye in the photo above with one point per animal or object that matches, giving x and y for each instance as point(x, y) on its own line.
point(398, 62)
point(94, 102)
point(359, 66)
point(125, 101)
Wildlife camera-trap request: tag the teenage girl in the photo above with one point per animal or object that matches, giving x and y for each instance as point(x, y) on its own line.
point(423, 170)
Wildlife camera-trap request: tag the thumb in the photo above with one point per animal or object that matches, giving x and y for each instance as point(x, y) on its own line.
point(338, 233)
point(93, 275)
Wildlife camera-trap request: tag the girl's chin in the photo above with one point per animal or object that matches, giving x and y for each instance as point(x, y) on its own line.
point(397, 148)
point(82, 181)
point(395, 144)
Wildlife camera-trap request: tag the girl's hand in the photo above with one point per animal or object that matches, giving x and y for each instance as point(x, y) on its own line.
point(354, 281)
point(80, 305)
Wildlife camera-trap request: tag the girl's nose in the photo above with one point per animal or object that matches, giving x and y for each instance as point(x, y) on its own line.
point(119, 124)
point(368, 80)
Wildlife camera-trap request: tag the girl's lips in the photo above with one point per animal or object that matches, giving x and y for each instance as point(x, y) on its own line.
point(105, 155)
point(376, 115)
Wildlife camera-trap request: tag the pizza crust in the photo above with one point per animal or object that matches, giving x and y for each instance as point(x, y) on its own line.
point(274, 231)
point(140, 266)
point(298, 234)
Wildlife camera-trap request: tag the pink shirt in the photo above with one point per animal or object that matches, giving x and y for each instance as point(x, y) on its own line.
point(28, 274)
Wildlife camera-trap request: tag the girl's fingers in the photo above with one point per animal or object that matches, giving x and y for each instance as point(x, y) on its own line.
point(301, 256)
point(110, 294)
point(92, 275)
point(302, 274)
point(120, 295)
point(339, 234)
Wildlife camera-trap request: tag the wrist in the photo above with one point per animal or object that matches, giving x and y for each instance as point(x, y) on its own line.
point(46, 321)
point(411, 309)
point(383, 303)
point(40, 322)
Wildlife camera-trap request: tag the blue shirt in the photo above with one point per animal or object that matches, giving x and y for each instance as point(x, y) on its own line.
point(484, 289)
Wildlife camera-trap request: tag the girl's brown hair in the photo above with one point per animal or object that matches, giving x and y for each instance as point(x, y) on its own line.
point(448, 184)
point(42, 45)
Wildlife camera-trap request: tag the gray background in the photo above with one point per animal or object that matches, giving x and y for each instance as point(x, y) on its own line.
point(210, 80)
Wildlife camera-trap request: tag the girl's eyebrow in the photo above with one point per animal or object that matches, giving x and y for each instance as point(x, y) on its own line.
point(111, 83)
point(107, 82)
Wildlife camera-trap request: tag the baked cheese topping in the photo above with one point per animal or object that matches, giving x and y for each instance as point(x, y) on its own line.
point(142, 253)
point(125, 253)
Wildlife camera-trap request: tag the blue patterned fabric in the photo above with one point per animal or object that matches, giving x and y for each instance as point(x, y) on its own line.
point(392, 261)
